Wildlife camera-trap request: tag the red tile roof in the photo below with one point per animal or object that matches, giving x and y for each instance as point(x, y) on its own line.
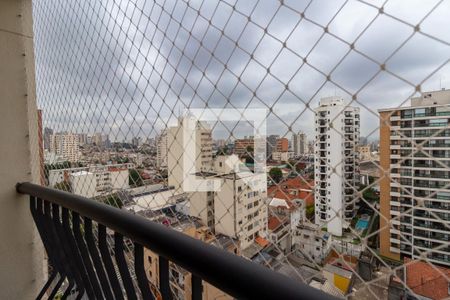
point(261, 241)
point(426, 280)
point(285, 189)
point(273, 223)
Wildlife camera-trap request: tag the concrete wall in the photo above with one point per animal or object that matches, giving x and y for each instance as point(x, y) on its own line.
point(22, 257)
point(385, 187)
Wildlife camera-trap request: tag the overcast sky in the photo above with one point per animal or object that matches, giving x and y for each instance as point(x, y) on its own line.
point(128, 68)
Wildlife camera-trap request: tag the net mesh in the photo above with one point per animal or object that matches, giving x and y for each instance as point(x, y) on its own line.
point(118, 82)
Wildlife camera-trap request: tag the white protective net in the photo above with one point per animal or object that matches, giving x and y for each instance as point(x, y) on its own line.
point(256, 126)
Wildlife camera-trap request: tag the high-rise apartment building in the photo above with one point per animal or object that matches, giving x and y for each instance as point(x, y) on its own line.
point(300, 143)
point(97, 139)
point(83, 138)
point(237, 209)
point(415, 193)
point(242, 146)
point(282, 145)
point(161, 150)
point(136, 141)
point(178, 157)
point(336, 164)
point(271, 144)
point(65, 145)
point(47, 134)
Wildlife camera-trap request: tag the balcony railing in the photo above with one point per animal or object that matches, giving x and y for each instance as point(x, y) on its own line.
point(74, 232)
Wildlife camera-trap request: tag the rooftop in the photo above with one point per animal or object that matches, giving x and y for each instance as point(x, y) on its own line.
point(427, 280)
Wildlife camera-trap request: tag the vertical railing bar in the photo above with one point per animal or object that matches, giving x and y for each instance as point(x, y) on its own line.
point(96, 258)
point(37, 214)
point(56, 288)
point(63, 242)
point(197, 287)
point(74, 251)
point(143, 283)
point(164, 280)
point(123, 267)
point(61, 252)
point(47, 285)
point(84, 254)
point(68, 290)
point(107, 261)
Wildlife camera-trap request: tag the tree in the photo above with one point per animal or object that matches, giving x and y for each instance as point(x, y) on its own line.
point(310, 211)
point(114, 200)
point(369, 193)
point(276, 174)
point(135, 178)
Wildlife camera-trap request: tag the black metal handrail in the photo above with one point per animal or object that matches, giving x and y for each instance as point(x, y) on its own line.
point(232, 274)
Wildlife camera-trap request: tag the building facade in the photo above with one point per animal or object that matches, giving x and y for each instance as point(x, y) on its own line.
point(282, 156)
point(94, 180)
point(241, 146)
point(48, 132)
point(178, 157)
point(414, 194)
point(336, 164)
point(237, 209)
point(271, 144)
point(66, 145)
point(282, 145)
point(161, 150)
point(300, 143)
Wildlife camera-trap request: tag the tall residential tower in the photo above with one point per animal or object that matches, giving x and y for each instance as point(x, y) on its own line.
point(66, 145)
point(415, 193)
point(199, 158)
point(300, 143)
point(336, 164)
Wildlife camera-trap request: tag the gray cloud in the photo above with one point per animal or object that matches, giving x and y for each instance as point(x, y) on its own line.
point(129, 67)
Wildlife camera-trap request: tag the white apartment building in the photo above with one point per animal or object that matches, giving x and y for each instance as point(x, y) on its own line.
point(178, 157)
point(161, 150)
point(94, 180)
point(66, 145)
point(284, 218)
point(336, 164)
point(237, 210)
point(300, 143)
point(312, 242)
point(83, 183)
point(282, 156)
point(415, 198)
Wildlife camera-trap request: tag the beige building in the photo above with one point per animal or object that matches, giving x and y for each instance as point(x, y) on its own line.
point(66, 145)
point(180, 279)
point(300, 143)
point(364, 153)
point(198, 159)
point(237, 209)
point(414, 193)
point(161, 150)
point(282, 156)
point(94, 180)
